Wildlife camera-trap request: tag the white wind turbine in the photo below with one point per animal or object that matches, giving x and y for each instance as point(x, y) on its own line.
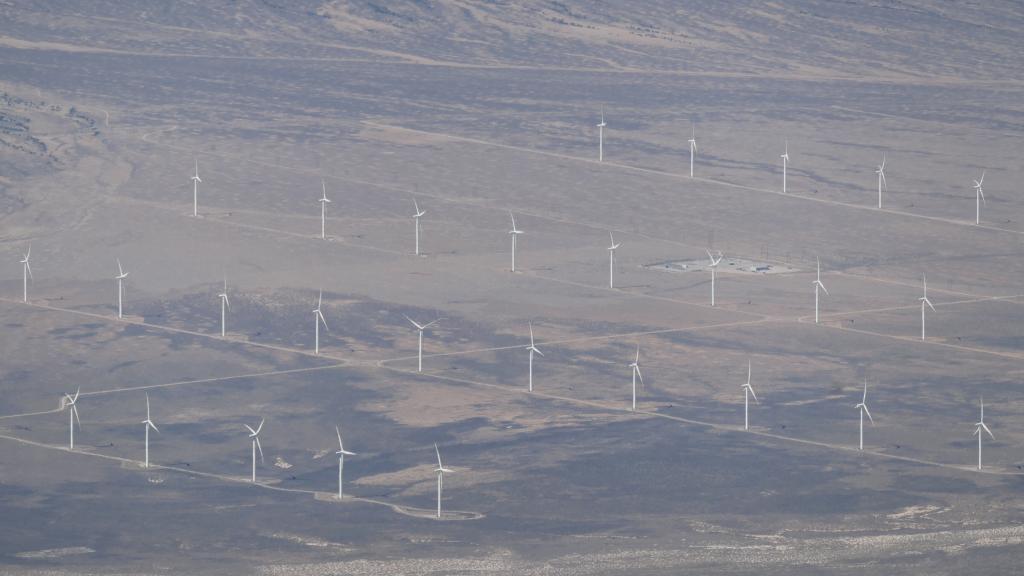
point(255, 435)
point(70, 404)
point(341, 460)
point(600, 137)
point(323, 211)
point(533, 350)
point(979, 198)
point(785, 163)
point(420, 328)
point(441, 470)
point(224, 305)
point(514, 232)
point(121, 275)
point(714, 272)
point(635, 365)
point(26, 273)
point(748, 391)
point(195, 191)
point(318, 318)
point(416, 218)
point(924, 302)
point(863, 408)
point(818, 286)
point(693, 146)
point(148, 422)
point(978, 427)
point(881, 180)
point(611, 260)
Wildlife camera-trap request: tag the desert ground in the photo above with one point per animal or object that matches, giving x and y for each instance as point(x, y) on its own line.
point(477, 111)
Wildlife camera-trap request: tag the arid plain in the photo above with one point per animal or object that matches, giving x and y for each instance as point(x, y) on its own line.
point(477, 112)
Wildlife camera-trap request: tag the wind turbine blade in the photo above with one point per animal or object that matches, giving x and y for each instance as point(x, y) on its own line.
point(249, 428)
point(28, 268)
point(417, 206)
point(153, 426)
point(77, 392)
point(513, 221)
point(537, 351)
point(341, 446)
point(260, 448)
point(120, 270)
point(929, 302)
point(823, 288)
point(260, 427)
point(639, 375)
point(439, 465)
point(864, 398)
point(985, 426)
point(320, 315)
point(754, 394)
point(868, 412)
point(147, 406)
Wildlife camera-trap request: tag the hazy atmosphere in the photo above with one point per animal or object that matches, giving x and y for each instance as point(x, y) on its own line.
point(550, 288)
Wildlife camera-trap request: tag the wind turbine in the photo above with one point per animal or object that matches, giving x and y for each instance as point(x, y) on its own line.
point(863, 407)
point(121, 275)
point(979, 198)
point(195, 191)
point(978, 427)
point(714, 268)
point(532, 349)
point(611, 260)
point(881, 180)
point(514, 232)
point(441, 470)
point(748, 391)
point(818, 286)
point(224, 305)
point(636, 374)
point(416, 218)
point(785, 163)
point(421, 328)
point(318, 317)
point(148, 422)
point(69, 404)
point(693, 146)
point(924, 302)
point(341, 459)
point(600, 137)
point(26, 273)
point(255, 435)
point(323, 211)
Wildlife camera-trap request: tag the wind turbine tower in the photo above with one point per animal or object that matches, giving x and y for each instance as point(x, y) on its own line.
point(818, 286)
point(148, 423)
point(978, 428)
point(255, 435)
point(195, 191)
point(121, 275)
point(416, 218)
point(420, 328)
point(924, 302)
point(611, 260)
point(224, 305)
point(979, 198)
point(26, 273)
point(863, 408)
point(636, 374)
point(693, 146)
point(600, 137)
point(514, 232)
point(70, 403)
point(881, 181)
point(785, 164)
point(533, 350)
point(323, 211)
point(714, 272)
point(441, 471)
point(748, 391)
point(341, 460)
point(318, 318)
